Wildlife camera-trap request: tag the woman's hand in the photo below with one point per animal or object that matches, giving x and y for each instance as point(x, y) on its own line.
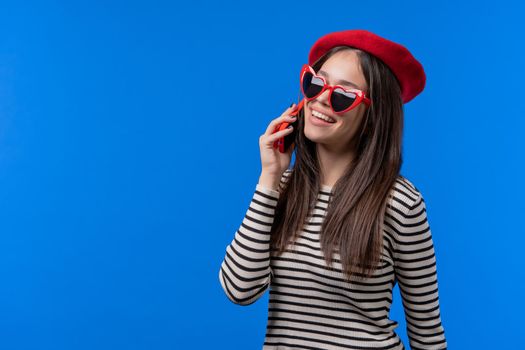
point(273, 162)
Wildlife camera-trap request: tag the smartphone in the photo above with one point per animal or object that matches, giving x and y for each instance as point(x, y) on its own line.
point(284, 143)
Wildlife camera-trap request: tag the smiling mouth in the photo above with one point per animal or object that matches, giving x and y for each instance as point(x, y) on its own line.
point(322, 116)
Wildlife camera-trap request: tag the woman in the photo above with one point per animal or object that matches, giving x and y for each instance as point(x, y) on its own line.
point(332, 235)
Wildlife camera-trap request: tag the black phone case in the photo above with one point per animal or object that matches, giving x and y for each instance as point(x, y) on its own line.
point(290, 138)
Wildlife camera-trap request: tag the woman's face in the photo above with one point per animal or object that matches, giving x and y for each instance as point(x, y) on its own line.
point(338, 136)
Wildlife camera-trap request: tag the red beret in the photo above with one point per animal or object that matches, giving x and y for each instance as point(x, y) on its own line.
point(405, 67)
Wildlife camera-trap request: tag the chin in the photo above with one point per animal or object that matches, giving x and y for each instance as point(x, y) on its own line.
point(314, 134)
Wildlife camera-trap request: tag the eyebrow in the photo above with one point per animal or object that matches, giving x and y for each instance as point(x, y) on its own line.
point(341, 81)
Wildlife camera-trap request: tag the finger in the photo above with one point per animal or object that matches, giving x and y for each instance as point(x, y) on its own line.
point(273, 137)
point(275, 124)
point(284, 117)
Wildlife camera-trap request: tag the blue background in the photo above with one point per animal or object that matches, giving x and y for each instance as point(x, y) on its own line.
point(129, 154)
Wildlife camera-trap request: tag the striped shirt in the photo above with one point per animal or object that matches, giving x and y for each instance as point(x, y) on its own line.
point(311, 305)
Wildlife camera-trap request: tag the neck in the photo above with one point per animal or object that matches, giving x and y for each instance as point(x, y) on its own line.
point(333, 162)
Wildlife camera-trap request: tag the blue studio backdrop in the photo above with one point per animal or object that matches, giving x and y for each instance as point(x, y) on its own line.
point(129, 153)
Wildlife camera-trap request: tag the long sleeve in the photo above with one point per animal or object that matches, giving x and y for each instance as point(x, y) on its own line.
point(415, 269)
point(245, 272)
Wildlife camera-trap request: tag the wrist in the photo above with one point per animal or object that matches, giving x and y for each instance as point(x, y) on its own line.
point(269, 181)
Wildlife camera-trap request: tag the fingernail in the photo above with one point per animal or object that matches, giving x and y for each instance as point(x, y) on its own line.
point(292, 105)
point(289, 127)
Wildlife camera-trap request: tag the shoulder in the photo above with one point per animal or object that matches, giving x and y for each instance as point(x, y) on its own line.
point(287, 173)
point(404, 196)
point(284, 179)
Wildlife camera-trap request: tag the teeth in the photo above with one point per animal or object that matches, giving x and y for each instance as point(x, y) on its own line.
point(322, 116)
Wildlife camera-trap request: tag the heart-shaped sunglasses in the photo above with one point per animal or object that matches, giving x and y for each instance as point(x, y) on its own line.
point(341, 99)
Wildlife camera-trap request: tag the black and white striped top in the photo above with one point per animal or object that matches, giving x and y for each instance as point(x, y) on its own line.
point(311, 306)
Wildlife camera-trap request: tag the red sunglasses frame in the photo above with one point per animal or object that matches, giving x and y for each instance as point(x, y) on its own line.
point(361, 96)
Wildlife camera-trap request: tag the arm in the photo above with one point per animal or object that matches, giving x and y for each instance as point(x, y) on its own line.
point(415, 268)
point(245, 272)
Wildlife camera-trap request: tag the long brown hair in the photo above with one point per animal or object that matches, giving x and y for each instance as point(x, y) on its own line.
point(353, 225)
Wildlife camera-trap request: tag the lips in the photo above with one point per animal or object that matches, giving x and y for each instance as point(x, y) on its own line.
point(319, 122)
point(323, 116)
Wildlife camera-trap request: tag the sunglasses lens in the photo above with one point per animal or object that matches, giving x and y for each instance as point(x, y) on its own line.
point(342, 99)
point(312, 85)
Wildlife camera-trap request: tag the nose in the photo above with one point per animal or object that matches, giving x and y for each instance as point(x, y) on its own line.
point(323, 98)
